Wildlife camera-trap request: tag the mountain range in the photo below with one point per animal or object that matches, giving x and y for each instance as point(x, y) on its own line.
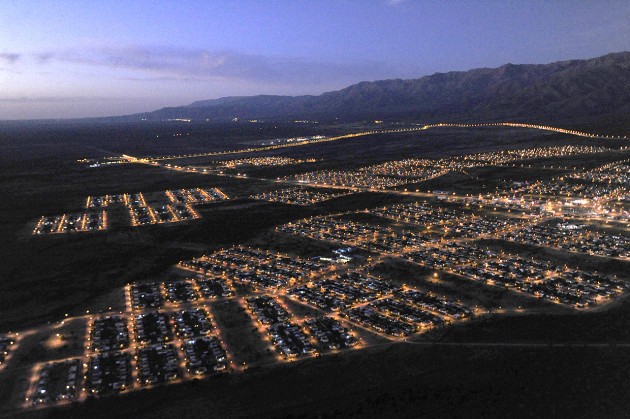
point(557, 91)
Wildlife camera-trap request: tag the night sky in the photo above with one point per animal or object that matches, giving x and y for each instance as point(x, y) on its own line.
point(63, 59)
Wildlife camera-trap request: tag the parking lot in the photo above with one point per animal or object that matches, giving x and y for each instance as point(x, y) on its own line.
point(298, 196)
point(430, 302)
point(152, 328)
point(349, 179)
point(574, 238)
point(448, 221)
point(578, 189)
point(139, 211)
point(378, 322)
point(58, 381)
point(69, 223)
point(612, 173)
point(195, 195)
point(104, 201)
point(157, 364)
point(144, 209)
point(193, 323)
point(109, 373)
point(394, 173)
point(335, 230)
point(260, 161)
point(338, 293)
point(379, 305)
point(146, 295)
point(214, 287)
point(178, 292)
point(510, 202)
point(407, 313)
point(330, 333)
point(291, 340)
point(541, 279)
point(446, 254)
point(258, 268)
point(419, 169)
point(267, 310)
point(108, 333)
point(205, 355)
point(371, 237)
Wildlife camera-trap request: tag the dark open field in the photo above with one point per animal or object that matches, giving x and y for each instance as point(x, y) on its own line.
point(406, 381)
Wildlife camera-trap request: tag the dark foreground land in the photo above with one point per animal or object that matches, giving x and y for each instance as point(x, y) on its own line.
point(399, 381)
point(554, 363)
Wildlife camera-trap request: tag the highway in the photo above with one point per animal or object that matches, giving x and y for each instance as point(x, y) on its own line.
point(387, 131)
point(531, 126)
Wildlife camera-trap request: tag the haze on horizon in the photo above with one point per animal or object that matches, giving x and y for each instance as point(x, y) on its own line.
point(68, 59)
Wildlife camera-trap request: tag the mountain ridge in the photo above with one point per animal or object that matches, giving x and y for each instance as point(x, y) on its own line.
point(564, 89)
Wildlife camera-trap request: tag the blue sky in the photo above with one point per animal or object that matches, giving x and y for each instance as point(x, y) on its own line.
point(61, 59)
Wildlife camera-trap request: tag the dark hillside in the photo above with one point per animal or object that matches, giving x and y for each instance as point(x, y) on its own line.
point(547, 92)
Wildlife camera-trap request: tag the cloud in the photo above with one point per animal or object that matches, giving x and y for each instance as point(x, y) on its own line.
point(168, 63)
point(44, 57)
point(48, 99)
point(9, 58)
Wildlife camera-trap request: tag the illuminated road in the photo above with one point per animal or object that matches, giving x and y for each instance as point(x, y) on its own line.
point(530, 126)
point(376, 132)
point(521, 344)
